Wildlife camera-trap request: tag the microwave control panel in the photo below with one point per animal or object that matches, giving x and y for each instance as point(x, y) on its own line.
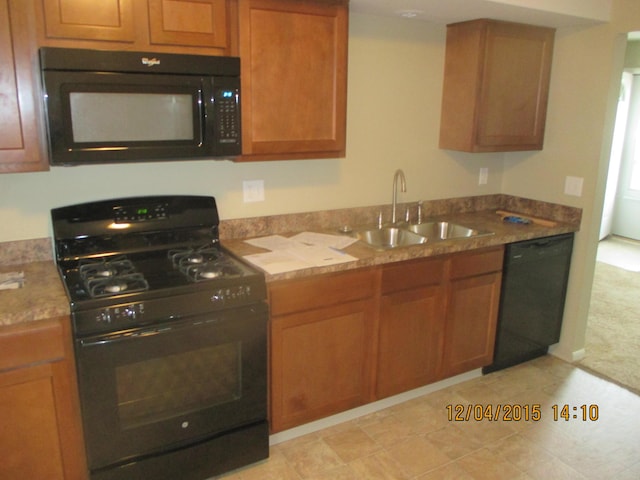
point(227, 111)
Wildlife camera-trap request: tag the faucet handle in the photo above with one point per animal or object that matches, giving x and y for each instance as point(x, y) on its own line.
point(406, 214)
point(420, 211)
point(380, 219)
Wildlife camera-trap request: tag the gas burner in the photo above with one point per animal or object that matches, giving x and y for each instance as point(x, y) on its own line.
point(108, 277)
point(185, 257)
point(210, 271)
point(105, 287)
point(204, 263)
point(106, 268)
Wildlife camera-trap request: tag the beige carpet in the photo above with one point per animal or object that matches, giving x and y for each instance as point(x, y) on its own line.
point(613, 333)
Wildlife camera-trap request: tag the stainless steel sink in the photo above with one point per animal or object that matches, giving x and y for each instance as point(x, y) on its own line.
point(389, 237)
point(437, 231)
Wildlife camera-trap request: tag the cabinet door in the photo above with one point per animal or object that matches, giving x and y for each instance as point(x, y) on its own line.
point(496, 85)
point(19, 134)
point(40, 427)
point(199, 23)
point(410, 342)
point(108, 20)
point(515, 86)
point(29, 440)
point(320, 362)
point(470, 327)
point(294, 67)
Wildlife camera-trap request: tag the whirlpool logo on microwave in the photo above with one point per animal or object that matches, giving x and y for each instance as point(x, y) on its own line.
point(150, 62)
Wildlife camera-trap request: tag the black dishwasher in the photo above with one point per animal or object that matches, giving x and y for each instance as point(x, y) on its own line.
point(534, 286)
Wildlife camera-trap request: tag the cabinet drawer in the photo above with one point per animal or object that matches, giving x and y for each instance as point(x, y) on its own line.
point(23, 345)
point(412, 274)
point(322, 291)
point(476, 263)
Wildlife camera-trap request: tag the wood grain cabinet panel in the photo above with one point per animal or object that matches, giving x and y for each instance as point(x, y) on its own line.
point(20, 137)
point(320, 363)
point(294, 78)
point(472, 311)
point(322, 339)
point(496, 86)
point(411, 325)
point(40, 426)
point(29, 426)
point(201, 23)
point(106, 20)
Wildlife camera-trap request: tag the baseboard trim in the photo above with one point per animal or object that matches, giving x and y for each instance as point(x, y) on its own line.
point(571, 357)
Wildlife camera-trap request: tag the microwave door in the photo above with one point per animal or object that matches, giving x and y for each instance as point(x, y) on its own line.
point(112, 118)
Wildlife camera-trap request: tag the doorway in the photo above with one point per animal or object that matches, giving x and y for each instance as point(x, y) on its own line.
point(613, 328)
point(626, 208)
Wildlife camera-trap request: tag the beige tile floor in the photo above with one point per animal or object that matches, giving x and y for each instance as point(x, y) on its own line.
point(416, 440)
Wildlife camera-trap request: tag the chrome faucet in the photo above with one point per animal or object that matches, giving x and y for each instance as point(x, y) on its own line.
point(403, 188)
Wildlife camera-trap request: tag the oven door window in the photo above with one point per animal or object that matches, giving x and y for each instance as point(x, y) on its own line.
point(145, 390)
point(176, 385)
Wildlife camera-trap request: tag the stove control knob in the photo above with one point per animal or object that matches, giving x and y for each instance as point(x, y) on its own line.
point(130, 312)
point(218, 297)
point(104, 316)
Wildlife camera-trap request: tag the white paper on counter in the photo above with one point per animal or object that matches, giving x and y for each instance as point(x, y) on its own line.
point(324, 239)
point(276, 262)
point(271, 242)
point(298, 257)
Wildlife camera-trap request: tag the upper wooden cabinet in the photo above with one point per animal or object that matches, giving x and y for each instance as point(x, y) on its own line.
point(20, 139)
point(184, 26)
point(294, 78)
point(496, 85)
point(107, 20)
point(200, 23)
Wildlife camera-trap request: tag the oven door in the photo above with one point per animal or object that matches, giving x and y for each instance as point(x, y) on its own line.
point(154, 389)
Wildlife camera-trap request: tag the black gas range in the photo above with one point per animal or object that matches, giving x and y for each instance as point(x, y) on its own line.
point(170, 338)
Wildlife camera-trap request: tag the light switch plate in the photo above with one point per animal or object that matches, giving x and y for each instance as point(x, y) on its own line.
point(253, 191)
point(484, 176)
point(573, 186)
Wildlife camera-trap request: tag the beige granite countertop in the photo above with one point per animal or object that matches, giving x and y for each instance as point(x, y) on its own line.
point(41, 298)
point(368, 256)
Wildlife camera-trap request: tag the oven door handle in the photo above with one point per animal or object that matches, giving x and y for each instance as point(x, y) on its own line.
point(123, 337)
point(110, 338)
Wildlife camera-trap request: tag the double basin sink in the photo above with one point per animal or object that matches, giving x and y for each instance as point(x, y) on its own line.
point(406, 235)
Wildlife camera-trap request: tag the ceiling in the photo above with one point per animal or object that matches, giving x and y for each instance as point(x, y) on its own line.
point(450, 11)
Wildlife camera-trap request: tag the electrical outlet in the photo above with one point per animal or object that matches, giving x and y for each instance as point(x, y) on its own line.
point(573, 186)
point(484, 176)
point(253, 191)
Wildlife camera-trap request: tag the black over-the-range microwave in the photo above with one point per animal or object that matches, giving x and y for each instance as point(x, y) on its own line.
point(115, 107)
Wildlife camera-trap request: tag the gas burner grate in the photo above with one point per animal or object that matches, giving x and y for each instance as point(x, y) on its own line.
point(106, 278)
point(203, 264)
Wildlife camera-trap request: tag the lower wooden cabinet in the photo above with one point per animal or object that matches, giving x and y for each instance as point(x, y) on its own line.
point(40, 429)
point(342, 340)
point(411, 326)
point(321, 353)
point(473, 298)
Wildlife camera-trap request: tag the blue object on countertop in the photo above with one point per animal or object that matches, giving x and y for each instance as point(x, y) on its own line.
point(514, 219)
